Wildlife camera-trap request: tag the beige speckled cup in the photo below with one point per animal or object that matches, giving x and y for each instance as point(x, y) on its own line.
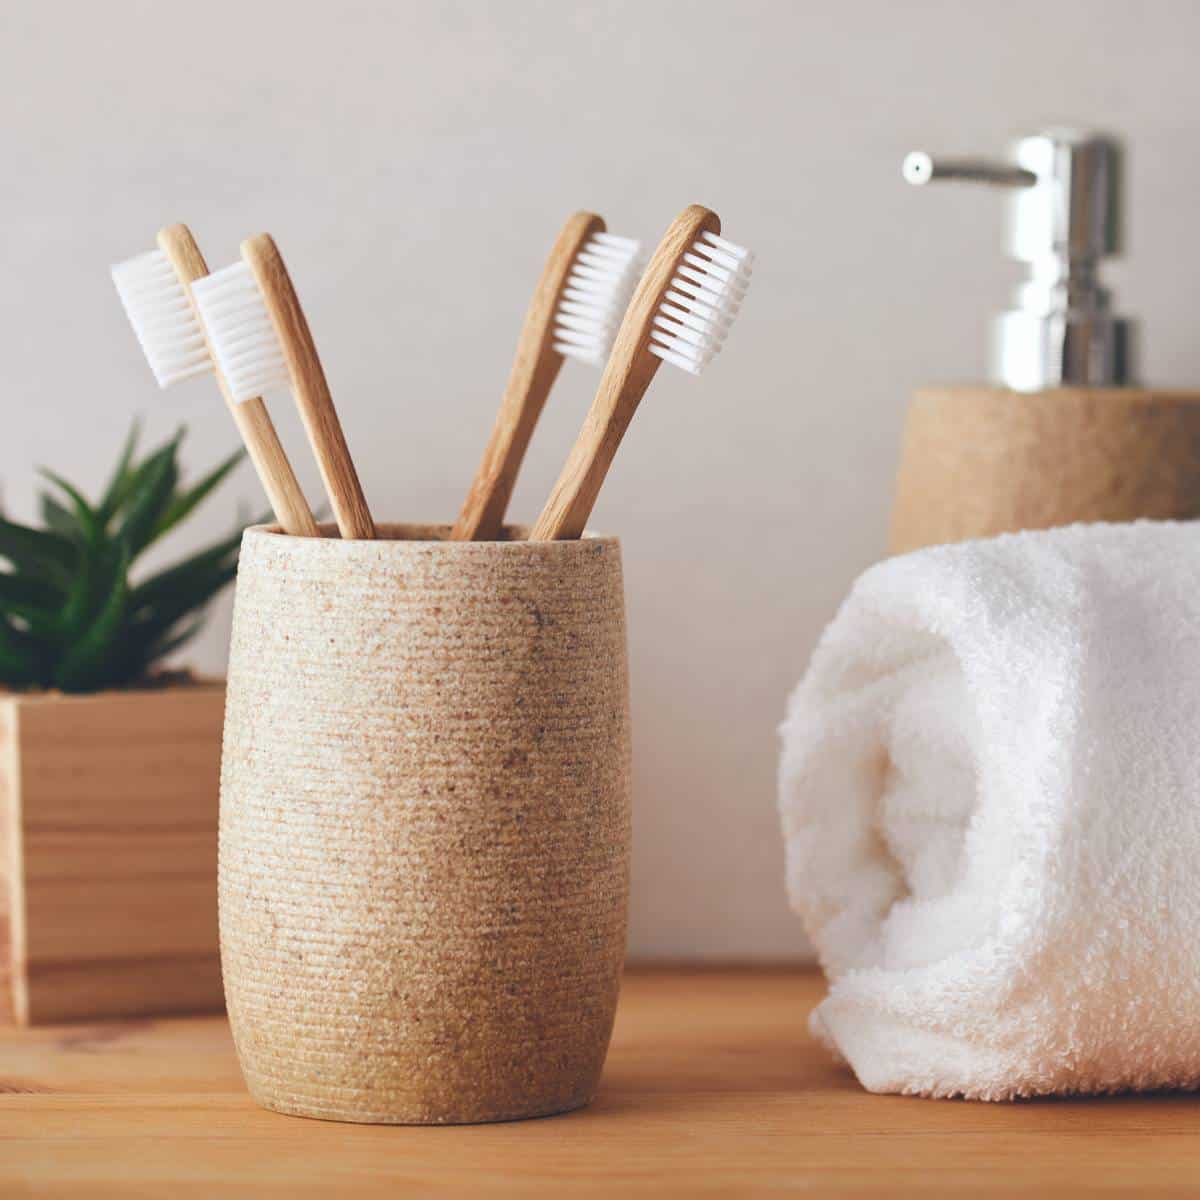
point(425, 824)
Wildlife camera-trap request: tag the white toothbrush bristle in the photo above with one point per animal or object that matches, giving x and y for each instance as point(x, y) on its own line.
point(162, 318)
point(704, 298)
point(241, 332)
point(600, 282)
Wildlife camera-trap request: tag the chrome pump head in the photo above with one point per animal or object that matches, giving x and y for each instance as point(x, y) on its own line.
point(1064, 217)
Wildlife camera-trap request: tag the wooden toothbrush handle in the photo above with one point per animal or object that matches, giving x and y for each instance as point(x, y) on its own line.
point(310, 388)
point(253, 421)
point(630, 369)
point(533, 374)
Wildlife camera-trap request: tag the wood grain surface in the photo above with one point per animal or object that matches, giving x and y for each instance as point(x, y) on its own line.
point(108, 857)
point(713, 1088)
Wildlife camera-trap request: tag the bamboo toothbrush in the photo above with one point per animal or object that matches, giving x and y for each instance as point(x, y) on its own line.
point(155, 289)
point(261, 340)
point(575, 311)
point(680, 313)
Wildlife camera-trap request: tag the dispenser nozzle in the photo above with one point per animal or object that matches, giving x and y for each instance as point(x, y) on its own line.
point(920, 168)
point(1063, 218)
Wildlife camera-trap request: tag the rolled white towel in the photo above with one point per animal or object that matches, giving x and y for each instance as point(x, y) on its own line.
point(990, 791)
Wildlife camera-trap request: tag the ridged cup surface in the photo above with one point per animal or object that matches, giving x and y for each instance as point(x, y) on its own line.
point(425, 824)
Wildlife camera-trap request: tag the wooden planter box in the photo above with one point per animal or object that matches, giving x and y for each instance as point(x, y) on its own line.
point(108, 853)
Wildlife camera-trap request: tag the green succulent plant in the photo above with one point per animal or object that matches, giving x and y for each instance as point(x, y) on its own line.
point(71, 617)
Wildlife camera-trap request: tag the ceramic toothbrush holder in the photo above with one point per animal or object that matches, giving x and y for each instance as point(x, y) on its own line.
point(425, 824)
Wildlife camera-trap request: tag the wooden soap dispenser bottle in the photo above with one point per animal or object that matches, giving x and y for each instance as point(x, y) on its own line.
point(1061, 433)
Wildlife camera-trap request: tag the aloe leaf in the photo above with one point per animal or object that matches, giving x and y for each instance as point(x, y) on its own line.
point(152, 648)
point(163, 648)
point(91, 660)
point(200, 590)
point(84, 516)
point(149, 495)
point(157, 633)
point(40, 624)
point(57, 518)
point(182, 503)
point(91, 585)
point(61, 622)
point(178, 580)
point(20, 589)
point(20, 662)
point(33, 602)
point(38, 552)
point(113, 494)
point(69, 616)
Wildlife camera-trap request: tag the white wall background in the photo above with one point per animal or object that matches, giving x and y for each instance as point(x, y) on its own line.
point(415, 161)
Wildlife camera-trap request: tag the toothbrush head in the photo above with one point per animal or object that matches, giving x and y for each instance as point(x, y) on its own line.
point(593, 301)
point(162, 317)
point(241, 332)
point(701, 303)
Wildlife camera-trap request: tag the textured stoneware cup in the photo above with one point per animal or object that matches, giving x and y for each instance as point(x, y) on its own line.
point(425, 824)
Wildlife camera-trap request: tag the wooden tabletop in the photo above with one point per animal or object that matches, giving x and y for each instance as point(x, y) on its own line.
point(713, 1088)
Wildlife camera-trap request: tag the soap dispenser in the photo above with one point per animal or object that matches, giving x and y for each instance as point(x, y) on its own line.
point(1062, 432)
